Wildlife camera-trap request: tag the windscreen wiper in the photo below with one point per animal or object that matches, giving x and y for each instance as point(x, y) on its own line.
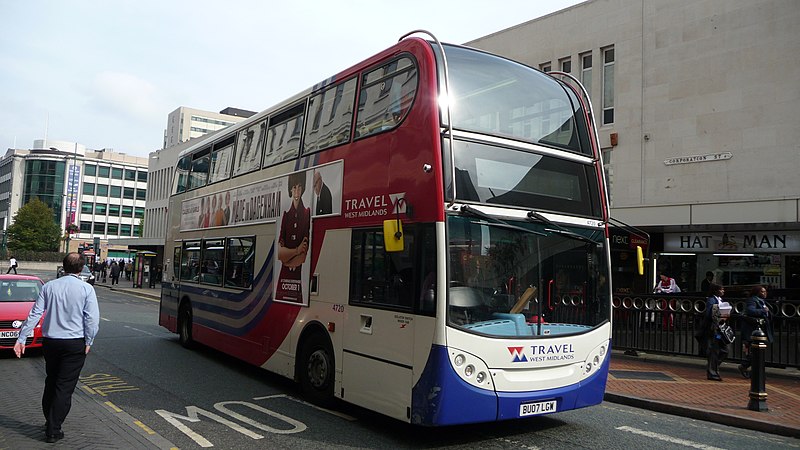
point(466, 209)
point(556, 228)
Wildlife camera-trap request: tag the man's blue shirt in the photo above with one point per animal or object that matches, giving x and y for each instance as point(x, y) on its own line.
point(72, 311)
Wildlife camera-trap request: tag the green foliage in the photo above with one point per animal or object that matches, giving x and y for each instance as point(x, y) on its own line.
point(33, 228)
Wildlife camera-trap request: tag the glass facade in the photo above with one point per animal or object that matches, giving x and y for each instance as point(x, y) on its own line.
point(45, 179)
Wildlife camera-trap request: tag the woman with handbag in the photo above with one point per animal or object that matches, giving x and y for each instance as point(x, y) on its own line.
point(717, 345)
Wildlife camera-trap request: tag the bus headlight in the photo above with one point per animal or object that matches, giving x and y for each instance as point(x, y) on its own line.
point(471, 369)
point(595, 359)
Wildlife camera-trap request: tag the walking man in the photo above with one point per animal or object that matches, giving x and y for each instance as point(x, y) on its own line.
point(69, 328)
point(12, 265)
point(115, 268)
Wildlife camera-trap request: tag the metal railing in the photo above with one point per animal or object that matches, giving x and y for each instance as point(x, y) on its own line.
point(668, 324)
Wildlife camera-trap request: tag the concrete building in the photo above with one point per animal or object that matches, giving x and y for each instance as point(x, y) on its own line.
point(187, 123)
point(102, 192)
point(695, 103)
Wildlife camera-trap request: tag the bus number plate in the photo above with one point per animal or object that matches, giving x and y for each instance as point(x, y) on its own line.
point(532, 409)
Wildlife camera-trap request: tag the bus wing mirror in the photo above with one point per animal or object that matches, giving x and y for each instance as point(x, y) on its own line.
point(393, 235)
point(639, 260)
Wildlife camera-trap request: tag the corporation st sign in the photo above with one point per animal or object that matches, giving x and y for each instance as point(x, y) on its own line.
point(698, 158)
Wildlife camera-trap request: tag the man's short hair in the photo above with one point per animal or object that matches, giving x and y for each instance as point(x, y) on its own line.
point(73, 263)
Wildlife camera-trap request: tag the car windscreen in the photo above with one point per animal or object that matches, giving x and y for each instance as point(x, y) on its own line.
point(19, 290)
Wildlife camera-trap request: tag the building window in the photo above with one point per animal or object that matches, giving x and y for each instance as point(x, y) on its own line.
point(86, 207)
point(113, 210)
point(116, 173)
point(142, 176)
point(99, 228)
point(141, 194)
point(113, 229)
point(138, 212)
point(103, 171)
point(86, 227)
point(127, 211)
point(100, 209)
point(124, 230)
point(128, 193)
point(90, 170)
point(130, 175)
point(116, 191)
point(608, 86)
point(586, 72)
point(545, 67)
point(88, 188)
point(566, 65)
point(102, 190)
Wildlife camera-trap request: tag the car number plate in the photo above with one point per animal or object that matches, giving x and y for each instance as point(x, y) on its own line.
point(9, 334)
point(532, 409)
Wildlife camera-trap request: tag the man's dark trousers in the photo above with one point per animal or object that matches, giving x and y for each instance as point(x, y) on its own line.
point(64, 360)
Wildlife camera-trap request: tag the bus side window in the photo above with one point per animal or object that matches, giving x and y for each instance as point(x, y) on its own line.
point(386, 97)
point(239, 263)
point(380, 278)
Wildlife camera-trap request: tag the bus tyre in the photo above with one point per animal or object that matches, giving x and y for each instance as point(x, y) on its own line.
point(185, 326)
point(316, 370)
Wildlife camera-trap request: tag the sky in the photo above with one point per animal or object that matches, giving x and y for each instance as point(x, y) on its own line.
point(106, 74)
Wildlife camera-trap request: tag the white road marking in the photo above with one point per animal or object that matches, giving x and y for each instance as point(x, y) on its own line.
point(670, 439)
point(141, 331)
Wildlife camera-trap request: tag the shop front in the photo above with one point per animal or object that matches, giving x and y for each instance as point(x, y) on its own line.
point(737, 260)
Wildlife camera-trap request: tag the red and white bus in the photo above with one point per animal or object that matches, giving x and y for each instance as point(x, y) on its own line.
point(423, 234)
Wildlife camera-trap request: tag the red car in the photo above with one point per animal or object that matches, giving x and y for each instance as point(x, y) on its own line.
point(17, 294)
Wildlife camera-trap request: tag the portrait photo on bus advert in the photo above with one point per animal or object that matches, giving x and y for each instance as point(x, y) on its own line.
point(293, 239)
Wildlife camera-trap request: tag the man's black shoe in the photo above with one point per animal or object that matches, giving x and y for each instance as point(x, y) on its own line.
point(715, 378)
point(51, 438)
point(743, 371)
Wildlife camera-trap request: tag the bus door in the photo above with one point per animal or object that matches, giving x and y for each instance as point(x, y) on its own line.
point(378, 341)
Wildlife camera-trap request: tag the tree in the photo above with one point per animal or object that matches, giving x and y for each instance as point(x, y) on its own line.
point(33, 228)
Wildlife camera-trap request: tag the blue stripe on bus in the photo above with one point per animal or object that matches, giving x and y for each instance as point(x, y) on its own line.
point(254, 297)
point(441, 397)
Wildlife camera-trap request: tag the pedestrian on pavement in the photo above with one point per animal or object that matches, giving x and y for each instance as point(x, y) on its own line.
point(705, 285)
point(128, 269)
point(666, 285)
point(104, 269)
point(756, 315)
point(115, 269)
point(12, 265)
point(717, 349)
point(69, 328)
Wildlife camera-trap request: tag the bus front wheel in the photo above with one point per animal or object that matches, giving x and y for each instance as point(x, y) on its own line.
point(316, 370)
point(185, 326)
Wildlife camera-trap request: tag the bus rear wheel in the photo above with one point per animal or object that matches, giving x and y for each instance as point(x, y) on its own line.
point(316, 370)
point(185, 326)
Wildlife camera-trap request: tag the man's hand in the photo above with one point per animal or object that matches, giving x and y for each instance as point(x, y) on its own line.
point(87, 349)
point(19, 349)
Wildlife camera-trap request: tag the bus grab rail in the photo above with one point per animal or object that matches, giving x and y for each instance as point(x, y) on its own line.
point(449, 117)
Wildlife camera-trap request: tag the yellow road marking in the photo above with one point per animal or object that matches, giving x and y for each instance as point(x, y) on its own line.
point(113, 406)
point(144, 427)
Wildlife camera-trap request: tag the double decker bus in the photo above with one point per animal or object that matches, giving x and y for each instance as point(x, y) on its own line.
point(423, 234)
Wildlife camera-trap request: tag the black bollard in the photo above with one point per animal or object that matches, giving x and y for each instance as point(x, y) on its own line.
point(758, 376)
